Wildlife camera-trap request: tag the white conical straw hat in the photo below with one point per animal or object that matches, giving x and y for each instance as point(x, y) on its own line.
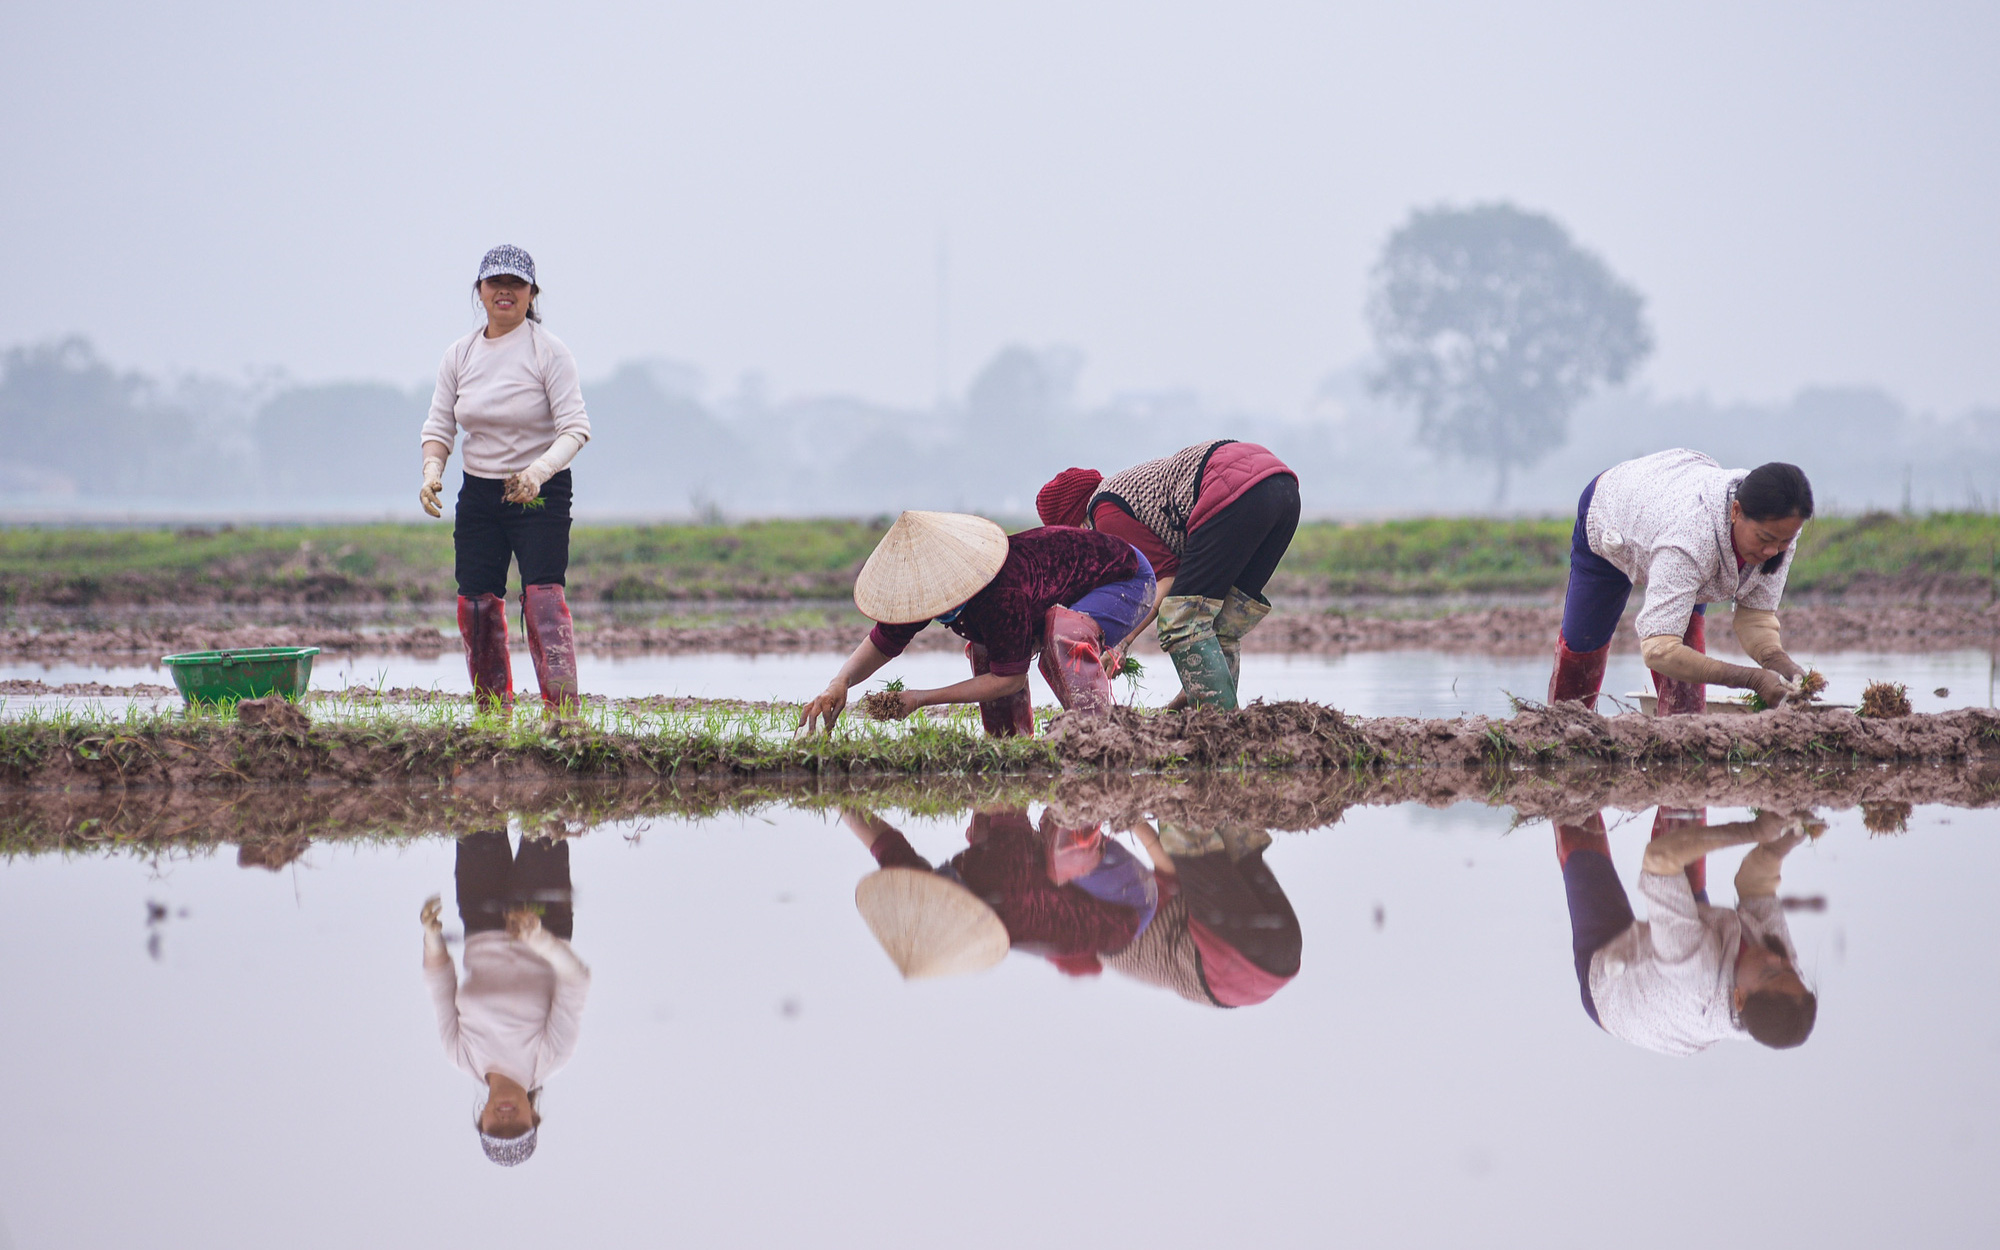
point(930, 926)
point(928, 562)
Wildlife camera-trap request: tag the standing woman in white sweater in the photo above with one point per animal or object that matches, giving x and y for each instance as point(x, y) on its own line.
point(511, 386)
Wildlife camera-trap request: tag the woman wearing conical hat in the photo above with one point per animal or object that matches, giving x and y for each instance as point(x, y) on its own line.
point(1072, 595)
point(1059, 889)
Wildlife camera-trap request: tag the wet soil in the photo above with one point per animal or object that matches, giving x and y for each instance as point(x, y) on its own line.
point(274, 826)
point(1289, 736)
point(1494, 630)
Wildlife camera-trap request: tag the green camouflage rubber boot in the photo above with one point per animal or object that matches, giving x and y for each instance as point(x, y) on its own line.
point(1187, 634)
point(1240, 614)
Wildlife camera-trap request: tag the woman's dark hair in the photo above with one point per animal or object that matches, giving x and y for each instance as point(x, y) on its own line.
point(1779, 1020)
point(1775, 492)
point(535, 311)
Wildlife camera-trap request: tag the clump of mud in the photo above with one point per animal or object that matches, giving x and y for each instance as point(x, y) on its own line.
point(1885, 700)
point(274, 714)
point(1263, 735)
point(881, 705)
point(272, 852)
point(1886, 816)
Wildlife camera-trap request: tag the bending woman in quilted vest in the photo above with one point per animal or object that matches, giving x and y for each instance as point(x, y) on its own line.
point(1214, 519)
point(511, 387)
point(1695, 533)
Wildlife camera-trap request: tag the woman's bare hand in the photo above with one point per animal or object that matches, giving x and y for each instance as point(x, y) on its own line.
point(825, 708)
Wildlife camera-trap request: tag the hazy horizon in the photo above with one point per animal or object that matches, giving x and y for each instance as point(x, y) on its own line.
point(1192, 197)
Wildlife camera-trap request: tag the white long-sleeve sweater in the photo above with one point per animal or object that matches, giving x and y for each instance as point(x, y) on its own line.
point(1666, 983)
point(512, 396)
point(1663, 520)
point(517, 1013)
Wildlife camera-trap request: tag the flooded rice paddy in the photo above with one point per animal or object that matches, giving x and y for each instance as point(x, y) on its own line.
point(1372, 683)
point(223, 1035)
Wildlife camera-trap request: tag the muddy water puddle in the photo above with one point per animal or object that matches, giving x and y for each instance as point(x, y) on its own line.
point(242, 1047)
point(1379, 683)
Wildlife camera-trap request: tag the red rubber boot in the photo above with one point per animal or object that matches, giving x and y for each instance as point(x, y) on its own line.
point(1073, 662)
point(1578, 674)
point(1011, 717)
point(1588, 836)
point(1683, 698)
point(1668, 819)
point(482, 622)
point(552, 643)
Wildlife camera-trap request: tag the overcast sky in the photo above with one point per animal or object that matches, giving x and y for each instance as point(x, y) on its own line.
point(1192, 194)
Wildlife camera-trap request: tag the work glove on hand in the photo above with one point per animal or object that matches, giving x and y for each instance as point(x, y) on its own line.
point(1772, 688)
point(429, 917)
point(1785, 666)
point(429, 496)
point(523, 487)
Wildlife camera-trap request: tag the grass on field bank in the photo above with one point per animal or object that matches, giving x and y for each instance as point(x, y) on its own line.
point(362, 741)
point(817, 559)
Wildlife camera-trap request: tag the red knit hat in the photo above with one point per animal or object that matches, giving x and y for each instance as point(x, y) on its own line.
point(1062, 501)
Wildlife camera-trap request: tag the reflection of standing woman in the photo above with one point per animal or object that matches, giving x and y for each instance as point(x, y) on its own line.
point(512, 387)
point(513, 1023)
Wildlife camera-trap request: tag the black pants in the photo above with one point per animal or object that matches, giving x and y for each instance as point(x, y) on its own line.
point(489, 532)
point(491, 879)
point(1243, 904)
point(1242, 544)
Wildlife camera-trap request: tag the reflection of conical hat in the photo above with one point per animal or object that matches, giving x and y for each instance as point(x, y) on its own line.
point(928, 562)
point(930, 927)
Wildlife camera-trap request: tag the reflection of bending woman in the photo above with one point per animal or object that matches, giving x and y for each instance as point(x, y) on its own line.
point(1226, 935)
point(1689, 975)
point(513, 1023)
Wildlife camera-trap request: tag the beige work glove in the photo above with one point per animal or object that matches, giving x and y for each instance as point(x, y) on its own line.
point(1669, 656)
point(430, 495)
point(431, 918)
point(524, 486)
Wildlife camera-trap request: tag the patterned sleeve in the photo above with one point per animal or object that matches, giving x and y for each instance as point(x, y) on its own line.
point(891, 639)
point(1672, 583)
point(1010, 631)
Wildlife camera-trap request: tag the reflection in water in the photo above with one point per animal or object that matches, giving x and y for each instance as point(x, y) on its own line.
point(1227, 935)
point(1690, 974)
point(1206, 919)
point(513, 1023)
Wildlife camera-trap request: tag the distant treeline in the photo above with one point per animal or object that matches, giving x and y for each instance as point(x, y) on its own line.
point(84, 437)
point(1879, 555)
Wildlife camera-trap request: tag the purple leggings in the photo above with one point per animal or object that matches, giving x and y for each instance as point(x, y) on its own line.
point(1119, 606)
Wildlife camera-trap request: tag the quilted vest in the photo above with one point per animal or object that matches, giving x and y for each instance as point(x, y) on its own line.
point(1162, 493)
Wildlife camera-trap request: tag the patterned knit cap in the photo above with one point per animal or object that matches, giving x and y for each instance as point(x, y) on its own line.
point(1061, 501)
point(508, 259)
point(508, 1151)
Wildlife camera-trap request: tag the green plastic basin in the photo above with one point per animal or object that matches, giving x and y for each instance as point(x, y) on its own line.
point(247, 673)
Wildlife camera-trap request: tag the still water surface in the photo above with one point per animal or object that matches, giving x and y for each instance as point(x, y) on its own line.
point(217, 1056)
point(1380, 683)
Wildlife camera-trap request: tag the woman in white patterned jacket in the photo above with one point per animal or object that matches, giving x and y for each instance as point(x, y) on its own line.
point(1695, 533)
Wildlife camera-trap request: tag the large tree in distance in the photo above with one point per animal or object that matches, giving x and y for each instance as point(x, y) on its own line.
point(1493, 325)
